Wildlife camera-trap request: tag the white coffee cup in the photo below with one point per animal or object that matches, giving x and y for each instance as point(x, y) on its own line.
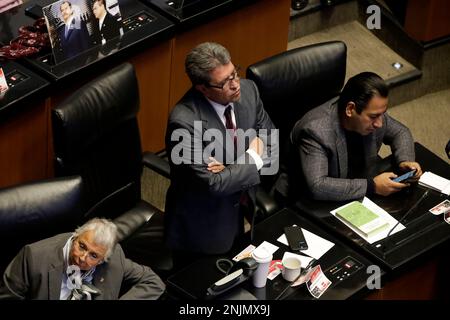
point(263, 257)
point(291, 268)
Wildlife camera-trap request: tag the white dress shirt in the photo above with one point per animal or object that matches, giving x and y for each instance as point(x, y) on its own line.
point(220, 110)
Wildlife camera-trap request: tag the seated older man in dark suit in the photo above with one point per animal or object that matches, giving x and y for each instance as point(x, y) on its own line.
point(338, 143)
point(85, 265)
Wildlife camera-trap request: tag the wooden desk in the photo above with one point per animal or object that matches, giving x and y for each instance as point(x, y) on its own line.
point(420, 251)
point(24, 120)
point(427, 20)
point(193, 281)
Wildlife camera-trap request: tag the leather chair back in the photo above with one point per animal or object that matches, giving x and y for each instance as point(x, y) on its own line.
point(96, 135)
point(34, 211)
point(292, 83)
point(295, 81)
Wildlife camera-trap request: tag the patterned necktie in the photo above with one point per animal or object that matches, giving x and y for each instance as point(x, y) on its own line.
point(229, 122)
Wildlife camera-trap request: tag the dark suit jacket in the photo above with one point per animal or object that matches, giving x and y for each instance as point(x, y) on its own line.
point(321, 144)
point(202, 208)
point(109, 30)
point(77, 39)
point(36, 273)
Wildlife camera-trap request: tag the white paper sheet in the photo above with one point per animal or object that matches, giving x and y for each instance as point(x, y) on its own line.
point(270, 247)
point(317, 246)
point(433, 181)
point(375, 208)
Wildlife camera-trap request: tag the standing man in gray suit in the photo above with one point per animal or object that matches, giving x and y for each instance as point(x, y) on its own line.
point(85, 265)
point(338, 143)
point(218, 143)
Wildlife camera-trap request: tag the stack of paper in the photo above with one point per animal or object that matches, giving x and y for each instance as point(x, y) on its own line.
point(435, 182)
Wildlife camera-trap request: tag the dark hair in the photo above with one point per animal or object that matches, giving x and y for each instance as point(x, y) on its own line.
point(360, 89)
point(100, 2)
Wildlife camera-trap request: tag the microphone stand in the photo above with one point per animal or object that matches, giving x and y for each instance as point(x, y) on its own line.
point(413, 208)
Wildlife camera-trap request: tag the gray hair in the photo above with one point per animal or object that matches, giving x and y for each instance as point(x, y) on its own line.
point(204, 58)
point(105, 233)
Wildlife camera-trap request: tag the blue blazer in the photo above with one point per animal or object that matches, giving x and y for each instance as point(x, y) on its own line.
point(76, 41)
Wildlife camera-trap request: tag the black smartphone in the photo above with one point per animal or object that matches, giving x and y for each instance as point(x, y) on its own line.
point(34, 11)
point(295, 238)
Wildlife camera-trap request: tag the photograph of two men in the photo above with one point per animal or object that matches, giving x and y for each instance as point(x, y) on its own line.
point(78, 25)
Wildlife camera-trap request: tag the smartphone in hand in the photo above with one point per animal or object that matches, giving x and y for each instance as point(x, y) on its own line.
point(405, 176)
point(295, 238)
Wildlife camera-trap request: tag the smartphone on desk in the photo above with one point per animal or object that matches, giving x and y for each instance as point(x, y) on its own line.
point(295, 238)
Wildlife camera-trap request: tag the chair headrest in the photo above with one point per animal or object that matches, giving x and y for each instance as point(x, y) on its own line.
point(96, 108)
point(295, 81)
point(40, 209)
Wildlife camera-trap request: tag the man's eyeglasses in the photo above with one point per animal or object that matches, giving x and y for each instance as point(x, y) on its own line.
point(227, 81)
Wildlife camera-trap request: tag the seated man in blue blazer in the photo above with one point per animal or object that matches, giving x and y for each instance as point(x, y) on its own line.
point(338, 143)
point(84, 265)
point(219, 142)
point(73, 34)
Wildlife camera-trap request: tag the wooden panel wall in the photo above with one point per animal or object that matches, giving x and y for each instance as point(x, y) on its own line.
point(251, 34)
point(153, 74)
point(24, 145)
point(428, 20)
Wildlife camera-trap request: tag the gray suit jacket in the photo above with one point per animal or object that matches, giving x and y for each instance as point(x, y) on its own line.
point(202, 208)
point(320, 141)
point(36, 273)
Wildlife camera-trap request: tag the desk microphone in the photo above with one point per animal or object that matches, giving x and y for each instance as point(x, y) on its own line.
point(413, 208)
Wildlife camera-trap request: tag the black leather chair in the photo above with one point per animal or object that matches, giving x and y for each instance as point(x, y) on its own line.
point(34, 211)
point(290, 84)
point(96, 136)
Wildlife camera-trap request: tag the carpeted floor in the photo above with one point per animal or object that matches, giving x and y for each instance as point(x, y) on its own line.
point(365, 52)
point(428, 118)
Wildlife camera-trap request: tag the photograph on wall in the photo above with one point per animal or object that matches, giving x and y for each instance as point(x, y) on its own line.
point(78, 25)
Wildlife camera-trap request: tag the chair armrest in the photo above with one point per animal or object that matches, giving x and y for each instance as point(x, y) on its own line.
point(265, 204)
point(132, 220)
point(156, 163)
